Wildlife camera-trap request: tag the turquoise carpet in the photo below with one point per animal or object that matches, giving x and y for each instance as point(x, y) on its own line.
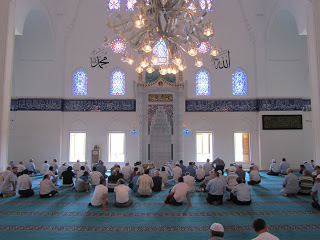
point(67, 216)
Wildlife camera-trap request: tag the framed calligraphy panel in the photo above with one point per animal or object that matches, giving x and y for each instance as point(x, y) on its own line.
point(282, 122)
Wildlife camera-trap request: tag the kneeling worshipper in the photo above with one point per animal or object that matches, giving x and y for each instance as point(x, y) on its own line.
point(9, 185)
point(31, 167)
point(240, 193)
point(145, 184)
point(261, 228)
point(67, 177)
point(274, 168)
point(96, 177)
point(99, 197)
point(200, 175)
point(316, 193)
point(122, 195)
point(51, 173)
point(45, 187)
point(165, 175)
point(216, 232)
point(177, 172)
point(112, 181)
point(157, 182)
point(25, 185)
point(189, 180)
point(216, 188)
point(231, 178)
point(254, 177)
point(82, 183)
point(204, 183)
point(178, 193)
point(306, 183)
point(241, 173)
point(290, 184)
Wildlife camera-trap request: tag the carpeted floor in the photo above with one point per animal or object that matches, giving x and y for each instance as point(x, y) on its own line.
point(67, 216)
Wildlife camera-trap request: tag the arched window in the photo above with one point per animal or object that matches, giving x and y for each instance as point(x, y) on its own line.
point(239, 82)
point(130, 5)
point(79, 84)
point(161, 52)
point(113, 5)
point(117, 82)
point(203, 83)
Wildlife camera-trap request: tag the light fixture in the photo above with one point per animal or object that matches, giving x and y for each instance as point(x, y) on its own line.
point(150, 69)
point(139, 69)
point(214, 52)
point(180, 24)
point(198, 62)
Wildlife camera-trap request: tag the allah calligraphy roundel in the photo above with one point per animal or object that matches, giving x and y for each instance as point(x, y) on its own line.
point(118, 46)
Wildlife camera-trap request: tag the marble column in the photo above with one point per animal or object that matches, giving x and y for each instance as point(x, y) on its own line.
point(142, 118)
point(7, 30)
point(313, 23)
point(179, 108)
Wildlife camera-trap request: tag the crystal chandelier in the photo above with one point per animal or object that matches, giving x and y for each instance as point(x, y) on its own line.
point(178, 25)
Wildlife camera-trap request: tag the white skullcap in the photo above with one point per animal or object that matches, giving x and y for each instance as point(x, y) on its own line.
point(217, 227)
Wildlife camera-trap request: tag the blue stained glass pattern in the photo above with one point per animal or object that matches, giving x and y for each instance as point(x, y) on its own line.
point(204, 47)
point(203, 4)
point(118, 46)
point(114, 5)
point(203, 83)
point(209, 3)
point(117, 82)
point(130, 5)
point(239, 82)
point(191, 7)
point(79, 84)
point(161, 52)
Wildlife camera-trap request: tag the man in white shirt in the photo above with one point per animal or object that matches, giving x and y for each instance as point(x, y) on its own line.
point(6, 172)
point(31, 167)
point(200, 174)
point(87, 167)
point(21, 168)
point(9, 185)
point(189, 180)
point(44, 168)
point(51, 173)
point(260, 227)
point(290, 184)
point(99, 197)
point(274, 168)
point(240, 193)
point(55, 166)
point(178, 193)
point(122, 195)
point(145, 184)
point(207, 167)
point(62, 168)
point(95, 177)
point(45, 187)
point(126, 170)
point(76, 167)
point(177, 172)
point(254, 177)
point(25, 185)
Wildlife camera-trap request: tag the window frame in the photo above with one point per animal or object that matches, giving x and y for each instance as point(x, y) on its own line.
point(85, 149)
point(234, 146)
point(211, 154)
point(124, 147)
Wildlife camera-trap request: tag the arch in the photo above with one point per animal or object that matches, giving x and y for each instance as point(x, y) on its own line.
point(239, 82)
point(117, 82)
point(80, 82)
point(160, 50)
point(203, 83)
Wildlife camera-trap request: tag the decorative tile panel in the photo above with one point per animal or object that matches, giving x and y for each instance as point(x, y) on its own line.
point(152, 111)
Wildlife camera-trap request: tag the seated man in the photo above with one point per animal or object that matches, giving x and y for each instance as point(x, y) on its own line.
point(76, 167)
point(316, 193)
point(178, 193)
point(157, 182)
point(31, 167)
point(241, 173)
point(274, 168)
point(67, 176)
point(200, 174)
point(240, 193)
point(216, 231)
point(51, 173)
point(306, 183)
point(62, 168)
point(112, 181)
point(8, 187)
point(133, 185)
point(145, 184)
point(216, 188)
point(99, 197)
point(254, 177)
point(45, 187)
point(284, 166)
point(189, 180)
point(126, 170)
point(82, 184)
point(177, 172)
point(205, 182)
point(260, 227)
point(80, 172)
point(122, 195)
point(101, 168)
point(95, 177)
point(25, 185)
point(290, 184)
point(44, 168)
point(165, 175)
point(190, 169)
point(207, 167)
point(21, 168)
point(231, 178)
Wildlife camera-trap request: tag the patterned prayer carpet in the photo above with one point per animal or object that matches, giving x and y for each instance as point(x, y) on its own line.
point(67, 216)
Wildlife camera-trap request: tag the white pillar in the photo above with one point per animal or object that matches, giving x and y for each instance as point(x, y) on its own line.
point(313, 21)
point(142, 118)
point(7, 29)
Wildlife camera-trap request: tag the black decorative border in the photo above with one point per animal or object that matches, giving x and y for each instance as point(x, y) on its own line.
point(250, 105)
point(69, 105)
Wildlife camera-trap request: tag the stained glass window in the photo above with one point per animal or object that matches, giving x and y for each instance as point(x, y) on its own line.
point(130, 5)
point(118, 46)
point(114, 5)
point(204, 47)
point(209, 3)
point(79, 84)
point(203, 4)
point(203, 83)
point(191, 7)
point(239, 82)
point(161, 52)
point(117, 82)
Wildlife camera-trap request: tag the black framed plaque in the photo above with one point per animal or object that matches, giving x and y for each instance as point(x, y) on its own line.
point(282, 122)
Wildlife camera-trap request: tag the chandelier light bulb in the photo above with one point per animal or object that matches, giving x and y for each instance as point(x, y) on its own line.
point(174, 70)
point(192, 51)
point(130, 61)
point(177, 60)
point(169, 69)
point(214, 52)
point(124, 58)
point(154, 60)
point(182, 67)
point(139, 69)
point(144, 63)
point(198, 63)
point(208, 31)
point(163, 70)
point(139, 22)
point(150, 69)
point(147, 48)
